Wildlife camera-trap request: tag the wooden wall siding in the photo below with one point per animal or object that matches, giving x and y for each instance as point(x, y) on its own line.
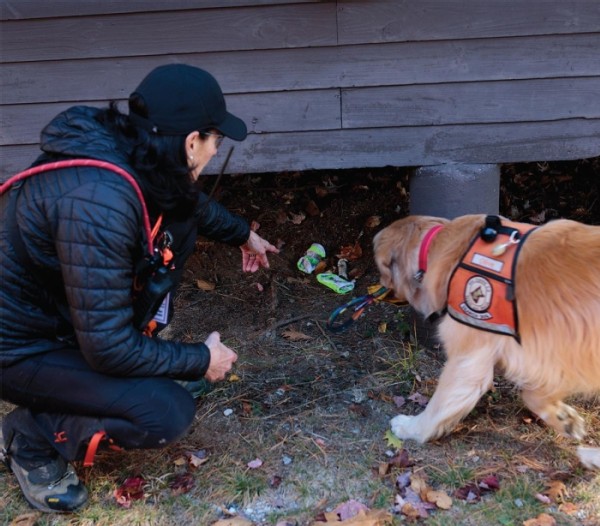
point(161, 33)
point(488, 102)
point(324, 84)
point(410, 63)
point(397, 21)
point(23, 9)
point(282, 111)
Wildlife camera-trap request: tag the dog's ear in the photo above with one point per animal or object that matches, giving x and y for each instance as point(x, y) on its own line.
point(390, 250)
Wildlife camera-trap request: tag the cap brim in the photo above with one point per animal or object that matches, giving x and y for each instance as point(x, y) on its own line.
point(233, 127)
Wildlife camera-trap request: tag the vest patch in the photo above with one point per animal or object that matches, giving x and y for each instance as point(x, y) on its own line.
point(481, 291)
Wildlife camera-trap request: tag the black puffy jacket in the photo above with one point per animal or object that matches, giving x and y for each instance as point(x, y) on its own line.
point(83, 227)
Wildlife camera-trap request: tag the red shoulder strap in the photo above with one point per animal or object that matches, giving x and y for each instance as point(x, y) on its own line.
point(69, 163)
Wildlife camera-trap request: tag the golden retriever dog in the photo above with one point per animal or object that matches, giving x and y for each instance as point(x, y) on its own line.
point(555, 350)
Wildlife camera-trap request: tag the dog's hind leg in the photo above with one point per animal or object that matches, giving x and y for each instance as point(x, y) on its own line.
point(558, 415)
point(465, 378)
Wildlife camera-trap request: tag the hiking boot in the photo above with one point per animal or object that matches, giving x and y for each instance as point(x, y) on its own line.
point(48, 483)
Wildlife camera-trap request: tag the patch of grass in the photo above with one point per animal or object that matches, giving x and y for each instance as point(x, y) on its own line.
point(451, 475)
point(400, 361)
point(514, 502)
point(243, 486)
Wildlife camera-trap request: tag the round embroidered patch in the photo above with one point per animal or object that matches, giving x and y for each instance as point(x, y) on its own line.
point(478, 294)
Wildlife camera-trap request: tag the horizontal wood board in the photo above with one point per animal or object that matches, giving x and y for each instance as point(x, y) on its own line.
point(193, 31)
point(293, 25)
point(398, 21)
point(394, 106)
point(24, 9)
point(316, 68)
point(469, 103)
point(265, 112)
point(410, 146)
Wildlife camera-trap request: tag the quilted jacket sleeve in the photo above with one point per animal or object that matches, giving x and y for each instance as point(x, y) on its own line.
point(97, 226)
point(216, 222)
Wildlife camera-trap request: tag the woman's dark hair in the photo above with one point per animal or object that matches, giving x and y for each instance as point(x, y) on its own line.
point(159, 160)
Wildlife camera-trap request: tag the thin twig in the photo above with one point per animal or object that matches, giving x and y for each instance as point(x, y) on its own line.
point(283, 323)
point(333, 345)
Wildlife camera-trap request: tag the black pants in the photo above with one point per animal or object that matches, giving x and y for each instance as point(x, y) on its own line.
point(70, 402)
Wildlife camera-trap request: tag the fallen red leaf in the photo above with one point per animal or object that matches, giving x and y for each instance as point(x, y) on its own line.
point(182, 483)
point(132, 489)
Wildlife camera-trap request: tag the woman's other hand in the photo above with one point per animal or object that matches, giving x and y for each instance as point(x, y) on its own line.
point(222, 358)
point(254, 253)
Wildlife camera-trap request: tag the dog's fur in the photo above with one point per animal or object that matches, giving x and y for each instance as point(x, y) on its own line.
point(558, 298)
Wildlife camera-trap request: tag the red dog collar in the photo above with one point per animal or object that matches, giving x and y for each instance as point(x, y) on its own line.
point(425, 244)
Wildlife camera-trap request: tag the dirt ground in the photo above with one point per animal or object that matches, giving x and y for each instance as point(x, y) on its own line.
point(335, 391)
point(313, 406)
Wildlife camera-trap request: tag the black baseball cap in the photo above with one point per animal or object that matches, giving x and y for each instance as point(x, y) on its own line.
point(181, 99)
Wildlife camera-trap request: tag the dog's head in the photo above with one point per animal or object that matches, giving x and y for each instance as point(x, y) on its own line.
point(396, 250)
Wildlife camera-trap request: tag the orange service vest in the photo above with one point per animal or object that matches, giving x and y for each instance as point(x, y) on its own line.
point(481, 291)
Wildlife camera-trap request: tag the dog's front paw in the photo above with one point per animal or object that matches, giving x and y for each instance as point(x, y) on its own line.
point(569, 422)
point(589, 456)
point(406, 427)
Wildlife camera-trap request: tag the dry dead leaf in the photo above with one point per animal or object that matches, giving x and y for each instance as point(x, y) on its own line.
point(27, 519)
point(197, 461)
point(569, 508)
point(440, 499)
point(410, 511)
point(321, 191)
point(205, 285)
point(382, 327)
point(349, 509)
point(295, 336)
point(401, 459)
point(363, 518)
point(312, 209)
point(541, 520)
point(321, 267)
point(131, 489)
point(182, 483)
point(281, 217)
point(373, 222)
point(556, 490)
point(419, 485)
point(383, 469)
point(298, 218)
point(232, 521)
point(350, 252)
point(180, 461)
point(419, 398)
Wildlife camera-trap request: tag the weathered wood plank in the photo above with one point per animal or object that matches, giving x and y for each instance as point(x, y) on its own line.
point(162, 33)
point(409, 146)
point(20, 10)
point(316, 68)
point(472, 103)
point(393, 21)
point(265, 112)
